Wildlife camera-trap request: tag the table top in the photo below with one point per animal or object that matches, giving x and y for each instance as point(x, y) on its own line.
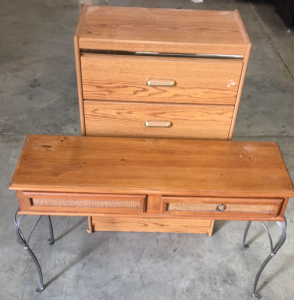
point(163, 30)
point(138, 165)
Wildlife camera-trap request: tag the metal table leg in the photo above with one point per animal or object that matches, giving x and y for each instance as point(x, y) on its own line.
point(274, 250)
point(245, 236)
point(25, 243)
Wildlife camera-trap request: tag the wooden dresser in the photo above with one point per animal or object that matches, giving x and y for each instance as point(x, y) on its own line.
point(160, 73)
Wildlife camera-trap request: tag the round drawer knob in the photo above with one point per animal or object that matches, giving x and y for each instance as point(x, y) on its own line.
point(220, 207)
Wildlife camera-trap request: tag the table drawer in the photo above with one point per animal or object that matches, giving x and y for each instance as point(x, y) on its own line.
point(160, 79)
point(85, 204)
point(219, 208)
point(124, 119)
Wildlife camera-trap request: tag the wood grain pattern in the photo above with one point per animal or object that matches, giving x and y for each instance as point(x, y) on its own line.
point(111, 77)
point(167, 31)
point(162, 30)
point(150, 224)
point(152, 166)
point(125, 119)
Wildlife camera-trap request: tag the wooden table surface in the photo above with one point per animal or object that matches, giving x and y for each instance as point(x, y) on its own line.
point(177, 167)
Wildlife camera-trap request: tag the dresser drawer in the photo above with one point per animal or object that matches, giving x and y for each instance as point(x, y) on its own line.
point(160, 79)
point(84, 203)
point(126, 119)
point(221, 207)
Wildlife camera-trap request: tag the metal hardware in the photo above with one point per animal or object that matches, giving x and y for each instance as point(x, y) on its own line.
point(162, 124)
point(161, 82)
point(220, 207)
point(189, 55)
point(274, 250)
point(25, 243)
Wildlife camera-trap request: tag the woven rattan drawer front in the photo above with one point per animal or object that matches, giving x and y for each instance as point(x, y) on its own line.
point(97, 203)
point(225, 206)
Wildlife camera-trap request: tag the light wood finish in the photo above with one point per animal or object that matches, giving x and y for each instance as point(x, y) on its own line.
point(150, 224)
point(243, 73)
point(162, 30)
point(59, 163)
point(242, 79)
point(128, 120)
point(113, 77)
point(132, 168)
point(90, 226)
point(210, 231)
point(78, 68)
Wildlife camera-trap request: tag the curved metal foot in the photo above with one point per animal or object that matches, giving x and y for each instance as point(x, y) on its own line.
point(256, 296)
point(274, 250)
point(25, 243)
point(244, 246)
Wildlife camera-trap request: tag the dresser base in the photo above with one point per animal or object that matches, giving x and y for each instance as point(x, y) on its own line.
point(150, 225)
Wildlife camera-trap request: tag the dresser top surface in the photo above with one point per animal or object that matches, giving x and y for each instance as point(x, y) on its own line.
point(132, 28)
point(92, 164)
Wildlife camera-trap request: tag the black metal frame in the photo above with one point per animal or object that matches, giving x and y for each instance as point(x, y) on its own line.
point(274, 250)
point(25, 243)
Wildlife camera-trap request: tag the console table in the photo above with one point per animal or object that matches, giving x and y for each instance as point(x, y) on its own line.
point(151, 179)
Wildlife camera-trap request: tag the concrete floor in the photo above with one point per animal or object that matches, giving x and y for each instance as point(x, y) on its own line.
point(38, 95)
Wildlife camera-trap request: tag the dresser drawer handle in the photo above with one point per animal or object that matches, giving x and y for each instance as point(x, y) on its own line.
point(220, 207)
point(161, 82)
point(162, 124)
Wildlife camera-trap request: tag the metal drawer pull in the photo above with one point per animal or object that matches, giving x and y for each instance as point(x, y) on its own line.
point(162, 124)
point(220, 207)
point(161, 82)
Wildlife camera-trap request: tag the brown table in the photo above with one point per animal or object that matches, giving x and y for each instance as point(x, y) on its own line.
point(158, 179)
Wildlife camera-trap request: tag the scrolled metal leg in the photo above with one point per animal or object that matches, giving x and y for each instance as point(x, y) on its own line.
point(25, 243)
point(51, 239)
point(244, 246)
point(274, 250)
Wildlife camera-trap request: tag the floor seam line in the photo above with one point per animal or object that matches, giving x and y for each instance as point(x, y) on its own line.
point(270, 39)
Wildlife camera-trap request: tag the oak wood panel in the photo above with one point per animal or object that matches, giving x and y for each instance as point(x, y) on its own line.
point(113, 77)
point(162, 30)
point(210, 231)
point(152, 166)
point(150, 225)
point(153, 204)
point(55, 211)
point(90, 226)
point(125, 119)
point(242, 79)
point(23, 201)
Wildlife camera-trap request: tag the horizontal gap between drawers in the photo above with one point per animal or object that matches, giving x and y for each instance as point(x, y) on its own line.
point(160, 103)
